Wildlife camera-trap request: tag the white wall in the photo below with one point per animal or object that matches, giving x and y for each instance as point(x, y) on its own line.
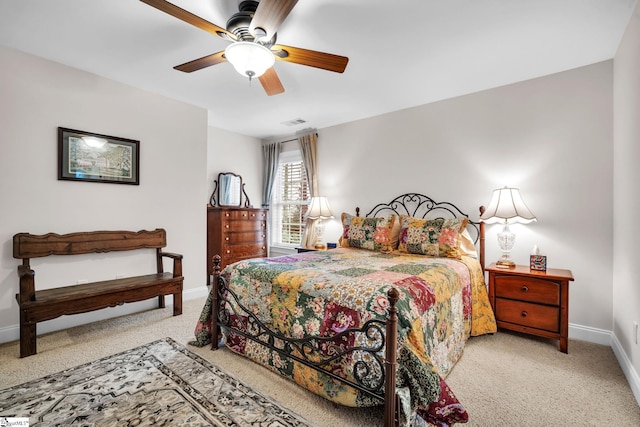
point(37, 96)
point(626, 278)
point(242, 155)
point(551, 137)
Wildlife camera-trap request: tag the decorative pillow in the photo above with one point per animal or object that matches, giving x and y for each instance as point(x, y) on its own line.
point(467, 247)
point(367, 233)
point(432, 237)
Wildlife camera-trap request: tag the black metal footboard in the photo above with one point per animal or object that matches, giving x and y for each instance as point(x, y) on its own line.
point(372, 375)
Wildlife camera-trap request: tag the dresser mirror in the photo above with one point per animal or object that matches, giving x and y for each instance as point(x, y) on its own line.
point(228, 191)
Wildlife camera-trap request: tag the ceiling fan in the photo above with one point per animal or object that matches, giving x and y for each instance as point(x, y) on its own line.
point(253, 50)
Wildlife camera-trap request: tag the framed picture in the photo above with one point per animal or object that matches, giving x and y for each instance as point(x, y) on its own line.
point(85, 156)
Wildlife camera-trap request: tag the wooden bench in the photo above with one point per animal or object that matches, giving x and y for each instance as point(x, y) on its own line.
point(38, 306)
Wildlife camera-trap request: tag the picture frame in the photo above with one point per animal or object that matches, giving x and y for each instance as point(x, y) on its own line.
point(93, 157)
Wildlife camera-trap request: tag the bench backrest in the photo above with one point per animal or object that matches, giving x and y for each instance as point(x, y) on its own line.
point(27, 245)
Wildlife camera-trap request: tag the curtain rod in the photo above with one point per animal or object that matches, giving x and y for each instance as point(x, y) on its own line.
point(290, 140)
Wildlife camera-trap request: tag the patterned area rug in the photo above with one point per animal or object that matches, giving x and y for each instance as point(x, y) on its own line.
point(159, 384)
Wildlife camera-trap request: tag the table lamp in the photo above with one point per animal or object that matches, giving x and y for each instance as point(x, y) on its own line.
point(508, 207)
point(319, 210)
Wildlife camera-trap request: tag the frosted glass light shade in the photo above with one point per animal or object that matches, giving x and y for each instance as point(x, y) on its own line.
point(249, 59)
point(506, 205)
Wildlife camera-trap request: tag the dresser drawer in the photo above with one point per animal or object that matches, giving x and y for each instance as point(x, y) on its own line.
point(239, 214)
point(528, 314)
point(245, 237)
point(249, 250)
point(232, 226)
point(527, 289)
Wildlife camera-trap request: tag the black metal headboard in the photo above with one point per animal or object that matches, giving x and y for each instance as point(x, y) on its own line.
point(420, 206)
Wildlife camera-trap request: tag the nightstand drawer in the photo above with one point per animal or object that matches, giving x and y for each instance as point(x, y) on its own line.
point(527, 314)
point(527, 289)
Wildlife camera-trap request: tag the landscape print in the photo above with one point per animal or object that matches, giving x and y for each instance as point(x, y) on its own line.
point(99, 158)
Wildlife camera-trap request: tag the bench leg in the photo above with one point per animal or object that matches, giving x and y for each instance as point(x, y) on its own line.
point(177, 304)
point(27, 337)
point(161, 301)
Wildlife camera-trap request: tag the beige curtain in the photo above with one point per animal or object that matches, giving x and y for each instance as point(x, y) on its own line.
point(308, 146)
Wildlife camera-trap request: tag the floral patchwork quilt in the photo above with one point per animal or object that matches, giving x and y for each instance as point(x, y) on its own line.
point(442, 302)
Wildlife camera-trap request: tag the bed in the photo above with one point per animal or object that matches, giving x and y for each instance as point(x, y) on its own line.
point(382, 319)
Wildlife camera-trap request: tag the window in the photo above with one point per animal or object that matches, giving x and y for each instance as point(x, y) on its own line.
point(291, 199)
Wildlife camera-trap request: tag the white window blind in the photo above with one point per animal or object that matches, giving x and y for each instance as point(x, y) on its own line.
point(290, 200)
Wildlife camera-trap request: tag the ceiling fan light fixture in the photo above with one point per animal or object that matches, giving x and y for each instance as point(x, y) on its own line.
point(250, 59)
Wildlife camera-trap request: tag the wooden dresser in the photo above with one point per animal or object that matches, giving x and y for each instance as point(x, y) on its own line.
point(235, 234)
point(532, 302)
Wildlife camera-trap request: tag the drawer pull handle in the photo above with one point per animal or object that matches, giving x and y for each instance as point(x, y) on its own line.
point(226, 238)
point(523, 314)
point(228, 251)
point(524, 289)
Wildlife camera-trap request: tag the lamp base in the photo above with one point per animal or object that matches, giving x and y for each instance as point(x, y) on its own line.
point(505, 263)
point(505, 240)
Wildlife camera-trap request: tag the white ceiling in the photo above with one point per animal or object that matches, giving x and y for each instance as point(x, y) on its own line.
point(402, 53)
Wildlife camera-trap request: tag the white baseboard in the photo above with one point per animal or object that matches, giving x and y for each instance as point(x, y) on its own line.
point(12, 332)
point(629, 371)
point(589, 334)
point(601, 336)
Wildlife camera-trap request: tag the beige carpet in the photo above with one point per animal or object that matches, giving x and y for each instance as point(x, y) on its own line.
point(503, 379)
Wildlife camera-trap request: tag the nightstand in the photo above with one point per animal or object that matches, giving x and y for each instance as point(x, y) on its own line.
point(532, 302)
point(301, 250)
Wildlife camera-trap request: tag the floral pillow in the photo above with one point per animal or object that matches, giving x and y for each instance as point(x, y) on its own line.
point(432, 237)
point(367, 233)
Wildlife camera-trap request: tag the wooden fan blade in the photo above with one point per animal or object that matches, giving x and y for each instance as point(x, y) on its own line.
point(310, 58)
point(269, 15)
point(271, 82)
point(190, 18)
point(200, 63)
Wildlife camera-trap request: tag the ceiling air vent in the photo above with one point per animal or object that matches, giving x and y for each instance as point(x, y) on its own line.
point(294, 122)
